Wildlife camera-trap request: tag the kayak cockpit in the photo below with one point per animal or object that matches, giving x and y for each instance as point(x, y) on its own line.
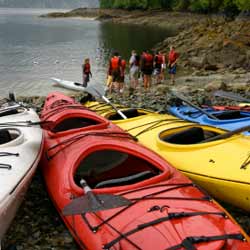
point(73, 123)
point(230, 115)
point(187, 135)
point(10, 136)
point(129, 113)
point(112, 168)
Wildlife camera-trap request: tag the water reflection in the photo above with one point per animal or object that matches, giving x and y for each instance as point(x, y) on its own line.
point(124, 38)
point(33, 49)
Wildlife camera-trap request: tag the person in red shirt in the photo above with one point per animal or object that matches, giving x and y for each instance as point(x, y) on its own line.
point(158, 61)
point(115, 70)
point(147, 63)
point(122, 78)
point(172, 63)
point(86, 72)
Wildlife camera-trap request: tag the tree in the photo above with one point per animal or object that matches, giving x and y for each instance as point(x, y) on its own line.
point(243, 4)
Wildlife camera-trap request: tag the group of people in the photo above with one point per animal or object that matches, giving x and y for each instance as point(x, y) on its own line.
point(145, 65)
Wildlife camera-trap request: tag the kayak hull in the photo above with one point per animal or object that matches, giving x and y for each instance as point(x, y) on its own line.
point(10, 206)
point(24, 152)
point(228, 120)
point(68, 84)
point(243, 107)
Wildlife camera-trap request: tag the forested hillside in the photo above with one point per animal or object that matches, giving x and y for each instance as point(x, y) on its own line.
point(203, 6)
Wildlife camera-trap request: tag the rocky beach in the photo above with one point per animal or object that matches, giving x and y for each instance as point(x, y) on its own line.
point(214, 55)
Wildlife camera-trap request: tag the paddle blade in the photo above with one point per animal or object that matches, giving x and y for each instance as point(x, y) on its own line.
point(94, 203)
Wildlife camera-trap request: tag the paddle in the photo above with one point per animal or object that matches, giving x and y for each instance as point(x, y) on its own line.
point(227, 134)
point(108, 101)
point(91, 202)
point(231, 95)
point(193, 105)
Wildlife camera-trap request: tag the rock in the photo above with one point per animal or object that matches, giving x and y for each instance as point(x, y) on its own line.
point(212, 67)
point(240, 71)
point(240, 86)
point(215, 85)
point(104, 17)
point(184, 89)
point(197, 62)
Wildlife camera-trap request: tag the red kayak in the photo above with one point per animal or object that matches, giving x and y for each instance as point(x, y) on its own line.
point(240, 108)
point(113, 193)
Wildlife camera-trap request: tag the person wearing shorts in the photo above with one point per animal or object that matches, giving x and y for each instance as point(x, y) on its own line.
point(134, 63)
point(158, 61)
point(172, 63)
point(147, 63)
point(115, 71)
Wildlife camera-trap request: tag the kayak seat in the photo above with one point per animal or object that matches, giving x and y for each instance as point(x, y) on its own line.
point(4, 136)
point(228, 115)
point(188, 136)
point(129, 113)
point(126, 180)
point(73, 123)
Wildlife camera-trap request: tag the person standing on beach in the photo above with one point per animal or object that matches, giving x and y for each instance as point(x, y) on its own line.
point(134, 63)
point(158, 61)
point(115, 71)
point(86, 72)
point(122, 77)
point(147, 63)
point(172, 63)
point(163, 66)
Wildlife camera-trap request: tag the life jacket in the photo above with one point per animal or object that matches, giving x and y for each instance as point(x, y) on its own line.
point(115, 63)
point(158, 59)
point(172, 56)
point(148, 60)
point(86, 68)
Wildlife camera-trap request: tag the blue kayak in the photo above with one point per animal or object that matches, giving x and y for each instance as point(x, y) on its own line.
point(228, 120)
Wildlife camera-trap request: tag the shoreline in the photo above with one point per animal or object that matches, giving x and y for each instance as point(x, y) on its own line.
point(38, 225)
point(206, 43)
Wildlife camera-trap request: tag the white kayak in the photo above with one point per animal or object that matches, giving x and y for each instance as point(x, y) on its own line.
point(20, 150)
point(69, 84)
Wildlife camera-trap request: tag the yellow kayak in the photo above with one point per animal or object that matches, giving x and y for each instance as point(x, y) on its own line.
point(222, 166)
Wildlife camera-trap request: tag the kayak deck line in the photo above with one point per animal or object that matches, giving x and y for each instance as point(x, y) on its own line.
point(211, 177)
point(68, 142)
point(4, 165)
point(188, 242)
point(155, 124)
point(146, 197)
point(62, 108)
point(170, 216)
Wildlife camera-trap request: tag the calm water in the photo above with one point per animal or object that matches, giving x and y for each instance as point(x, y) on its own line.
point(33, 49)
